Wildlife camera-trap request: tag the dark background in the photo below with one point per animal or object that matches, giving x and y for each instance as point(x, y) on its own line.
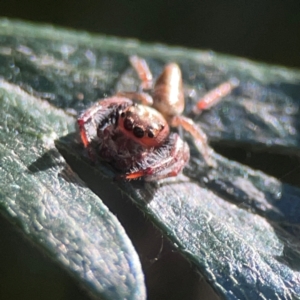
point(265, 30)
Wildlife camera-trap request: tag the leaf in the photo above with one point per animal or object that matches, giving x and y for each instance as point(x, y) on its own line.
point(53, 206)
point(238, 226)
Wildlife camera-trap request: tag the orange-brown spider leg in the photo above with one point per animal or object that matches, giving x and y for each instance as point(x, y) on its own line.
point(199, 136)
point(168, 161)
point(143, 71)
point(215, 96)
point(144, 98)
point(177, 168)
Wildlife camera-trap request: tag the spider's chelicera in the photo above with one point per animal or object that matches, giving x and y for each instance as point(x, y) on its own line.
point(135, 137)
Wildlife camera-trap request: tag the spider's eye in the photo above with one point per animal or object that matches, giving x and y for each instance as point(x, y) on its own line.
point(150, 134)
point(128, 124)
point(138, 132)
point(122, 115)
point(144, 125)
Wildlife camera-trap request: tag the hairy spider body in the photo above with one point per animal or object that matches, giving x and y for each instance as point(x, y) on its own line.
point(105, 134)
point(136, 138)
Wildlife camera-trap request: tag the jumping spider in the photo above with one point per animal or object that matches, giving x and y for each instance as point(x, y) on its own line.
point(136, 138)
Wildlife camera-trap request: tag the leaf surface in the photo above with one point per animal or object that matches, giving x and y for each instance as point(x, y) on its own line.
point(52, 205)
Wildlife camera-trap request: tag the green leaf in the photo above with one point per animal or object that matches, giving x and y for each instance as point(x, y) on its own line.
point(52, 205)
point(238, 226)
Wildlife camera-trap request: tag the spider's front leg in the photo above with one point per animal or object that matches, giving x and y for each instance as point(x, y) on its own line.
point(164, 161)
point(103, 113)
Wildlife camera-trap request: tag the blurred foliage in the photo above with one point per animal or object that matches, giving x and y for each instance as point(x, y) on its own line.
point(266, 30)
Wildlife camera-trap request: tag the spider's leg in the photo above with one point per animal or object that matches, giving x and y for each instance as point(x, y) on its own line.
point(144, 98)
point(102, 113)
point(215, 96)
point(166, 161)
point(199, 136)
point(143, 71)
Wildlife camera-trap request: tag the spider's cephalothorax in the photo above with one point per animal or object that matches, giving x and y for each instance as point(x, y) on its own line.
point(136, 138)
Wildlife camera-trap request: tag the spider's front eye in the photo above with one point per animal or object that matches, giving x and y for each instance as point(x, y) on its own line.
point(122, 115)
point(138, 132)
point(128, 124)
point(150, 134)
